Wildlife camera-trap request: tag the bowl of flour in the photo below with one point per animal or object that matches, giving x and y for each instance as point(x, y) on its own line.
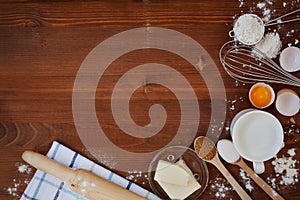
point(248, 29)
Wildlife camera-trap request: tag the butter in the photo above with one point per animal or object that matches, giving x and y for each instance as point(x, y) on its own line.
point(176, 179)
point(172, 174)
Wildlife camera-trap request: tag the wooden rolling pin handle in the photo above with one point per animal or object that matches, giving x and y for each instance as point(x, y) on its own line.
point(80, 181)
point(95, 187)
point(47, 165)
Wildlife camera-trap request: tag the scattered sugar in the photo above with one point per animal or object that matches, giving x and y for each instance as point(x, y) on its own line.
point(220, 188)
point(296, 41)
point(270, 45)
point(246, 179)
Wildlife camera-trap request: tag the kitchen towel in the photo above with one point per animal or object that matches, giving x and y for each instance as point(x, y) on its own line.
point(44, 186)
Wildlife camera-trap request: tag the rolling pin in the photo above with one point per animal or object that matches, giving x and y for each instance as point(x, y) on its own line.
point(80, 181)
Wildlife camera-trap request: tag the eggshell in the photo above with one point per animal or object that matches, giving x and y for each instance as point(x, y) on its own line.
point(287, 102)
point(290, 59)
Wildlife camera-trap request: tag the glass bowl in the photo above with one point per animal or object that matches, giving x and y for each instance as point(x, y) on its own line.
point(173, 154)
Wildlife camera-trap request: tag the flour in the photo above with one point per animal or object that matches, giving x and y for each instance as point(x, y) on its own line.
point(137, 176)
point(246, 179)
point(248, 29)
point(13, 190)
point(270, 45)
point(220, 188)
point(285, 167)
point(284, 4)
point(23, 168)
point(261, 5)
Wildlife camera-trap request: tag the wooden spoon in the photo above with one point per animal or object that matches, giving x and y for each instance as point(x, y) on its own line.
point(229, 154)
point(80, 181)
point(207, 150)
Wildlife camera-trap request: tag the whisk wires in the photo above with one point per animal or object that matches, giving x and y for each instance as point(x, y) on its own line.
point(248, 64)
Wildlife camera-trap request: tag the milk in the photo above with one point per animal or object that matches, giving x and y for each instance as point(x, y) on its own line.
point(257, 136)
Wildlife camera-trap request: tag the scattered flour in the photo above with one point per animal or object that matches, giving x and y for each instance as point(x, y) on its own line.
point(246, 179)
point(284, 4)
point(135, 176)
point(285, 169)
point(220, 188)
point(241, 3)
point(232, 103)
point(261, 5)
point(13, 190)
point(270, 45)
point(23, 168)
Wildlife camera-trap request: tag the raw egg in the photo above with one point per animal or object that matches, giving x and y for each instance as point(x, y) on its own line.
point(261, 95)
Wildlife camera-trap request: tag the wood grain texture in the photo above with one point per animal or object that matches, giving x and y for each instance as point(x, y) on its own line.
point(43, 43)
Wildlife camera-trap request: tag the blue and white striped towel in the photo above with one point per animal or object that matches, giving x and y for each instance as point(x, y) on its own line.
point(44, 186)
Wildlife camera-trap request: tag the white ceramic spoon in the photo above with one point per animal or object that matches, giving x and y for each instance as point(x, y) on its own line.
point(228, 152)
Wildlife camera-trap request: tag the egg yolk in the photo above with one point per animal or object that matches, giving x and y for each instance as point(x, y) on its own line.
point(260, 96)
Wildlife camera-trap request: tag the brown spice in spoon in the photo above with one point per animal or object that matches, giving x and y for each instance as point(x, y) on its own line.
point(205, 148)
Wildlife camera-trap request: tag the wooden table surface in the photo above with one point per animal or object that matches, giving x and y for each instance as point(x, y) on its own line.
point(43, 44)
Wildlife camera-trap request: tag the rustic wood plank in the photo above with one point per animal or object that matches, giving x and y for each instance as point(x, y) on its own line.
point(43, 44)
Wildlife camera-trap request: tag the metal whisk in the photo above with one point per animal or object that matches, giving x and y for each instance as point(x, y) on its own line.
point(248, 64)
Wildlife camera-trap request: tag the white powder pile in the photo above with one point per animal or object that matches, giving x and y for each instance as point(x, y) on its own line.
point(23, 168)
point(286, 168)
point(270, 45)
point(220, 188)
point(248, 29)
point(246, 179)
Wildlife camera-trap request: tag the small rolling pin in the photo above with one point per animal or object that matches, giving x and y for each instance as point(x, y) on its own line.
point(80, 181)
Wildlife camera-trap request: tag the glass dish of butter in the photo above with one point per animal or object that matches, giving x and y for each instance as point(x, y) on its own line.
point(177, 172)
